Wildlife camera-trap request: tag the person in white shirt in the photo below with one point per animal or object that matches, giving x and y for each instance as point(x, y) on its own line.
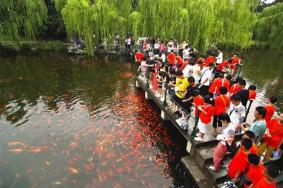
point(188, 70)
point(219, 58)
point(197, 72)
point(237, 111)
point(205, 79)
point(226, 140)
point(186, 52)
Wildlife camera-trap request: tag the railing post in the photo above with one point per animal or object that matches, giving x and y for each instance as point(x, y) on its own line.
point(248, 110)
point(165, 95)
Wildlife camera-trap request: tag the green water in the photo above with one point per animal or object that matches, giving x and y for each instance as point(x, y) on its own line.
point(264, 68)
point(80, 122)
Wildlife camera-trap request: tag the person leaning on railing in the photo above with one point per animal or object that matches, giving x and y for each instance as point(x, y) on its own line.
point(273, 137)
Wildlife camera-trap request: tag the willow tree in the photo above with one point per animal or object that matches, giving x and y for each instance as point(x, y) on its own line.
point(269, 27)
point(100, 18)
point(21, 18)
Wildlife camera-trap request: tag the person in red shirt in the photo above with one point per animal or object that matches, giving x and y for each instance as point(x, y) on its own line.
point(183, 66)
point(234, 63)
point(269, 179)
point(217, 84)
point(208, 60)
point(273, 138)
point(250, 135)
point(179, 60)
point(222, 103)
point(270, 108)
point(255, 170)
point(221, 67)
point(239, 162)
point(235, 87)
point(252, 92)
point(205, 117)
point(139, 56)
point(197, 101)
point(171, 58)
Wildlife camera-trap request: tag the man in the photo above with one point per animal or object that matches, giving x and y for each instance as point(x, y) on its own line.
point(258, 127)
point(273, 138)
point(269, 179)
point(244, 93)
point(206, 76)
point(219, 58)
point(237, 111)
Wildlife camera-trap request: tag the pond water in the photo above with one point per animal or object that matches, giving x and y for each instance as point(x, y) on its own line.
point(265, 69)
point(79, 122)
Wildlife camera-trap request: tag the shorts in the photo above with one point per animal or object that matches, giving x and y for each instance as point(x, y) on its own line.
point(202, 127)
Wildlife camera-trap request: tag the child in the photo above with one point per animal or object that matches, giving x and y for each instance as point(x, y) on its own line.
point(252, 92)
point(269, 179)
point(222, 103)
point(205, 117)
point(255, 170)
point(237, 111)
point(239, 162)
point(270, 108)
point(225, 142)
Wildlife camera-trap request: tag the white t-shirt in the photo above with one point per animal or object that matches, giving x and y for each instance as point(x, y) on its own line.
point(219, 58)
point(188, 71)
point(206, 74)
point(236, 113)
point(225, 131)
point(186, 53)
point(156, 46)
point(196, 70)
point(163, 57)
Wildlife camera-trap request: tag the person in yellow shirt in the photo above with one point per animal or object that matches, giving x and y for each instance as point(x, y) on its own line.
point(180, 92)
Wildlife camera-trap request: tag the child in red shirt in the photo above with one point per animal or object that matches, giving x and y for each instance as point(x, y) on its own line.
point(234, 89)
point(171, 58)
point(179, 60)
point(269, 178)
point(205, 117)
point(250, 135)
point(139, 56)
point(273, 138)
point(255, 170)
point(252, 92)
point(239, 162)
point(197, 101)
point(222, 103)
point(208, 60)
point(270, 108)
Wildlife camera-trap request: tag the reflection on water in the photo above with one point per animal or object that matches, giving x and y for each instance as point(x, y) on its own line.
point(69, 122)
point(265, 69)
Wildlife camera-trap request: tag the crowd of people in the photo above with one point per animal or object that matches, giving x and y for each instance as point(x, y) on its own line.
point(209, 88)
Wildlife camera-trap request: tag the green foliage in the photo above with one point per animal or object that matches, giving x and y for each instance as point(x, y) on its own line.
point(227, 22)
point(21, 18)
point(269, 27)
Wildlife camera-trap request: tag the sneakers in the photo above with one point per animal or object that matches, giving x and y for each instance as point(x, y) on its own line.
point(162, 99)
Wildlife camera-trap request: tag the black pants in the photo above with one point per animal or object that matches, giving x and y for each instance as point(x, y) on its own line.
point(216, 122)
point(204, 90)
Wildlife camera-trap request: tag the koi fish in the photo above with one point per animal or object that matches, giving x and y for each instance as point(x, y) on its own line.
point(16, 151)
point(73, 170)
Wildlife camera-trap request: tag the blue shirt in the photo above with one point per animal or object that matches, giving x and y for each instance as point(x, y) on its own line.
point(258, 128)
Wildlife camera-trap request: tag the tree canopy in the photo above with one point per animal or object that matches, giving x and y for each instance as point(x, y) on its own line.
point(231, 23)
point(21, 18)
